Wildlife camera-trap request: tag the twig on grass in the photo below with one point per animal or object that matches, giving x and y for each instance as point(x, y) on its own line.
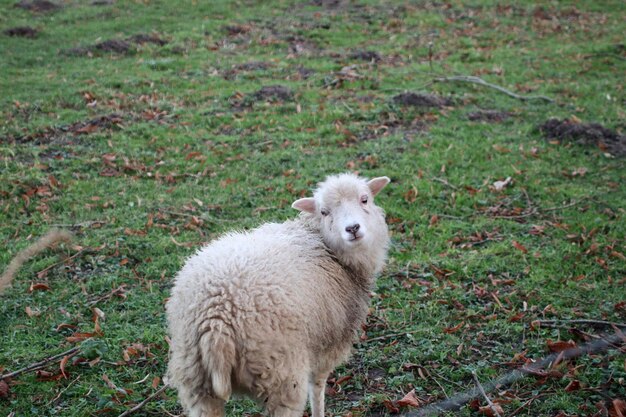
point(389, 336)
point(601, 323)
point(144, 402)
point(62, 391)
point(534, 211)
point(445, 182)
point(484, 394)
point(41, 363)
point(480, 81)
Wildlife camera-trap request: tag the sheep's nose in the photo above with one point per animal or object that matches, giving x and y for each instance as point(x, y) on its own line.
point(353, 229)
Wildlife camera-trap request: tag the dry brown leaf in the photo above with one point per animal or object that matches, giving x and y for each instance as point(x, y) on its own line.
point(79, 337)
point(619, 408)
point(389, 405)
point(4, 389)
point(488, 411)
point(456, 328)
point(574, 385)
point(409, 400)
point(32, 313)
point(519, 246)
point(48, 376)
point(63, 364)
point(38, 287)
point(560, 345)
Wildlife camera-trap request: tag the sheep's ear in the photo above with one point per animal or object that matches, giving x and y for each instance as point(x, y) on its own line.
point(377, 184)
point(305, 204)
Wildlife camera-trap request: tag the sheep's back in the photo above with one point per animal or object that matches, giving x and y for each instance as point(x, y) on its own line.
point(277, 283)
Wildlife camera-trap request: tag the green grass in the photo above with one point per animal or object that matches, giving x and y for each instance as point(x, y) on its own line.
point(193, 154)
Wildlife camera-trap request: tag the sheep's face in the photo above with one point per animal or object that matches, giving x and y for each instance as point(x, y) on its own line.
point(344, 207)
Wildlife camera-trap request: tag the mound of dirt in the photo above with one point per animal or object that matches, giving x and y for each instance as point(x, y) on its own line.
point(22, 32)
point(118, 46)
point(142, 38)
point(491, 116)
point(234, 30)
point(368, 56)
point(37, 5)
point(589, 134)
point(62, 135)
point(274, 92)
point(252, 66)
point(421, 100)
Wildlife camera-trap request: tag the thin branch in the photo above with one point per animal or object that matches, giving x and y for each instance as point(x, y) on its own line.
point(445, 182)
point(480, 81)
point(41, 363)
point(389, 336)
point(484, 394)
point(458, 401)
point(144, 402)
point(602, 323)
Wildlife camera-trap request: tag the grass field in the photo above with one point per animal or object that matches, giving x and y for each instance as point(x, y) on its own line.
point(148, 128)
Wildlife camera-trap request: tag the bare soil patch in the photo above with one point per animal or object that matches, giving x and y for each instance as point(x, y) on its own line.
point(37, 5)
point(59, 135)
point(589, 134)
point(369, 56)
point(235, 30)
point(22, 32)
point(490, 116)
point(253, 66)
point(421, 100)
point(118, 46)
point(142, 38)
point(274, 93)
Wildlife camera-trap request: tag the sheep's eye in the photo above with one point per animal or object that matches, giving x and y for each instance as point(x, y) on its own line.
point(364, 199)
point(324, 212)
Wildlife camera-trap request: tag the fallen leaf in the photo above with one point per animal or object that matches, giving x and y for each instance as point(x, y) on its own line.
point(574, 385)
point(450, 330)
point(4, 389)
point(560, 345)
point(32, 313)
point(411, 195)
point(90, 128)
point(155, 382)
point(389, 405)
point(519, 246)
point(38, 287)
point(433, 220)
point(79, 337)
point(517, 317)
point(619, 406)
point(489, 412)
point(343, 379)
point(63, 364)
point(409, 400)
point(48, 376)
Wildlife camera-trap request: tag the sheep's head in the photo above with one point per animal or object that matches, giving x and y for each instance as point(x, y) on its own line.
point(348, 218)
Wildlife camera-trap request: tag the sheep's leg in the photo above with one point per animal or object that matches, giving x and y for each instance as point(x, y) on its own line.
point(204, 406)
point(290, 400)
point(316, 395)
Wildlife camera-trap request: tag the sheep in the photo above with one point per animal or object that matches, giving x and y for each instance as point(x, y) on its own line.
point(271, 312)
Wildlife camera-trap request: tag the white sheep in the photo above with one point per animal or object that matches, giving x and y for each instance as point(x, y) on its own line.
point(269, 313)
